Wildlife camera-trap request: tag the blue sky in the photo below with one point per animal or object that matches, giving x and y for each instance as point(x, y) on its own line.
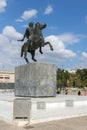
point(66, 30)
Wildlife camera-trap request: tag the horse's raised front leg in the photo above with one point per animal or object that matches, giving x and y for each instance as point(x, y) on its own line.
point(48, 43)
point(33, 55)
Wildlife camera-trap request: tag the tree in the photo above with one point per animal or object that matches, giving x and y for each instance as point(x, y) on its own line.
point(82, 76)
point(62, 77)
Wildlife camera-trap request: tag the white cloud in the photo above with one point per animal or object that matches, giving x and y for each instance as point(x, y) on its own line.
point(84, 55)
point(48, 10)
point(59, 47)
point(10, 32)
point(3, 4)
point(69, 38)
point(10, 47)
point(27, 15)
point(19, 20)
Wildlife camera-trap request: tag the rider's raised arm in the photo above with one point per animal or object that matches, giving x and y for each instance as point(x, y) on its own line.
point(25, 35)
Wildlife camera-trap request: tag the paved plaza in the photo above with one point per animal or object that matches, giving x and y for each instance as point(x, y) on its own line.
point(78, 123)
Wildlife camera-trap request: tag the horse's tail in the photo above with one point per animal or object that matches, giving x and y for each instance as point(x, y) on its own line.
point(21, 51)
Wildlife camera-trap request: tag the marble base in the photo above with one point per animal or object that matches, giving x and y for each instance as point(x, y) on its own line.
point(35, 80)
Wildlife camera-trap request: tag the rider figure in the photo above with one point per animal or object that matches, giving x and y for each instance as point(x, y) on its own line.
point(29, 34)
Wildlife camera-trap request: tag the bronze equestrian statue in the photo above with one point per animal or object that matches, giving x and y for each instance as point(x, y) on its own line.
point(35, 40)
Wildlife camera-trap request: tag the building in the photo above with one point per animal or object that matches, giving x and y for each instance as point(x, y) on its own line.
point(7, 76)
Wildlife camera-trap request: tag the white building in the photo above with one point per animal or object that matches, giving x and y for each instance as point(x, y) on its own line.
point(7, 76)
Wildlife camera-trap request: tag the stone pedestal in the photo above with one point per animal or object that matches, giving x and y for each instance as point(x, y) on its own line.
point(24, 112)
point(35, 80)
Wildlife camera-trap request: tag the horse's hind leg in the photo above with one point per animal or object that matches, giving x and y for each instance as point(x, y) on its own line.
point(33, 55)
point(25, 57)
point(40, 50)
point(21, 51)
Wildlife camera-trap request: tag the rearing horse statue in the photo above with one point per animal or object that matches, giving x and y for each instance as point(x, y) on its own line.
point(38, 42)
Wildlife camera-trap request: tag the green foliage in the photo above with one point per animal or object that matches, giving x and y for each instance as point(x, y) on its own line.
point(62, 77)
point(79, 79)
point(82, 76)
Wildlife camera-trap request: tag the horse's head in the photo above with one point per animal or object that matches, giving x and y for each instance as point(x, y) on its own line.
point(40, 25)
point(43, 25)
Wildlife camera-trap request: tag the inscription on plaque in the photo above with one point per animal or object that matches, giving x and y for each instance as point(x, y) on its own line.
point(69, 103)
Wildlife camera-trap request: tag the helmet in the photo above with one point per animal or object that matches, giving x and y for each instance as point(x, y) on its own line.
point(31, 24)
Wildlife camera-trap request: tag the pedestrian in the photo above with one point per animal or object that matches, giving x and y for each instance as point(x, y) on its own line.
point(79, 92)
